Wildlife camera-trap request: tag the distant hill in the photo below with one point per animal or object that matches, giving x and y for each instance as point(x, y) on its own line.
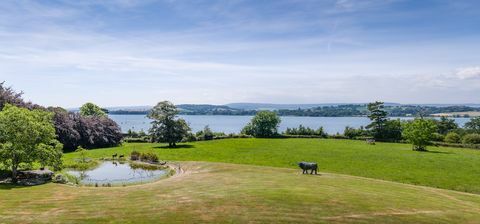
point(308, 110)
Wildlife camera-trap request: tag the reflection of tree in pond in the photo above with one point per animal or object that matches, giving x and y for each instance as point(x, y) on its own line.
point(83, 174)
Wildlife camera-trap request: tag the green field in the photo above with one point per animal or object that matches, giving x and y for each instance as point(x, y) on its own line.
point(257, 181)
point(228, 193)
point(448, 168)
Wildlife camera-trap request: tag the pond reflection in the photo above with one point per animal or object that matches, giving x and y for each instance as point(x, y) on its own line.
point(114, 172)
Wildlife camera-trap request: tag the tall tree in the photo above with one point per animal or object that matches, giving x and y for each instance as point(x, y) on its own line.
point(446, 125)
point(419, 132)
point(378, 116)
point(263, 124)
point(90, 109)
point(27, 136)
point(166, 126)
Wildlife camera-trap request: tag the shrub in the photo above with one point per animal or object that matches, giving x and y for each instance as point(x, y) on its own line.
point(471, 139)
point(149, 157)
point(353, 133)
point(452, 137)
point(305, 131)
point(135, 155)
point(437, 137)
point(60, 179)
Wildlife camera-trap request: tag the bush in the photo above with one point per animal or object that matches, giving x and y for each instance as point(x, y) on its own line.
point(471, 139)
point(143, 139)
point(60, 179)
point(135, 155)
point(353, 133)
point(149, 157)
point(452, 137)
point(437, 137)
point(305, 131)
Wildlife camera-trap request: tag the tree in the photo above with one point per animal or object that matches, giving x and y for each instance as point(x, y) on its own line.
point(74, 130)
point(166, 127)
point(97, 132)
point(419, 132)
point(263, 124)
point(65, 128)
point(473, 125)
point(27, 136)
point(9, 96)
point(83, 154)
point(446, 125)
point(90, 109)
point(378, 116)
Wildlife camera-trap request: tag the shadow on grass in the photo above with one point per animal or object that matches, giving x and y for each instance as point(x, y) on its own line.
point(4, 186)
point(182, 146)
point(437, 152)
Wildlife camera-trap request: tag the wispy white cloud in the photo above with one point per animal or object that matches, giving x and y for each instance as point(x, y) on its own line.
point(224, 51)
point(468, 73)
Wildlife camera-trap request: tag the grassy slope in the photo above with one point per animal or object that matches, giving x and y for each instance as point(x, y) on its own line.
point(449, 168)
point(219, 193)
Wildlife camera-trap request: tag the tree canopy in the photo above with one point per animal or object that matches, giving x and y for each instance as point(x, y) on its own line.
point(378, 116)
point(419, 132)
point(90, 109)
point(27, 136)
point(166, 126)
point(473, 125)
point(263, 124)
point(9, 96)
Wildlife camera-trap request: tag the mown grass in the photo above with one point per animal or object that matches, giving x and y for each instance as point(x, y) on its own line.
point(229, 193)
point(448, 168)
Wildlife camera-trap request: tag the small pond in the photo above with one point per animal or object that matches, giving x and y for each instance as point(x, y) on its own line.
point(120, 173)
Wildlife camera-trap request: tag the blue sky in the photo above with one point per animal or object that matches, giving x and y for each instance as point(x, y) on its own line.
point(125, 52)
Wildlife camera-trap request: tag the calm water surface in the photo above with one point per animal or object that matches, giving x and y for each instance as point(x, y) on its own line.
point(114, 172)
point(234, 124)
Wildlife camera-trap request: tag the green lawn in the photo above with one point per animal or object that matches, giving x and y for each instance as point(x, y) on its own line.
point(229, 193)
point(448, 168)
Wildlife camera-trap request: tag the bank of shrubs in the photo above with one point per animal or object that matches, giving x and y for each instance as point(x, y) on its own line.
point(305, 131)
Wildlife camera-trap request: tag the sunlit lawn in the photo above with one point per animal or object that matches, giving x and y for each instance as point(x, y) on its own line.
point(228, 193)
point(449, 168)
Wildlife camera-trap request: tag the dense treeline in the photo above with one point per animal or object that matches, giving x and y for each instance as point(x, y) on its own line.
point(324, 111)
point(89, 128)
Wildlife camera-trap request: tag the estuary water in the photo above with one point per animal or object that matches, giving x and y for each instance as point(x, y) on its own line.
point(234, 124)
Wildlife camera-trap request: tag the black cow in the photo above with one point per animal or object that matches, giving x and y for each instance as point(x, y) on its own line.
point(308, 166)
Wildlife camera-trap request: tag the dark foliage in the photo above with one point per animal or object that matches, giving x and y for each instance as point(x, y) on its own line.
point(354, 133)
point(65, 128)
point(8, 95)
point(74, 130)
point(445, 125)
